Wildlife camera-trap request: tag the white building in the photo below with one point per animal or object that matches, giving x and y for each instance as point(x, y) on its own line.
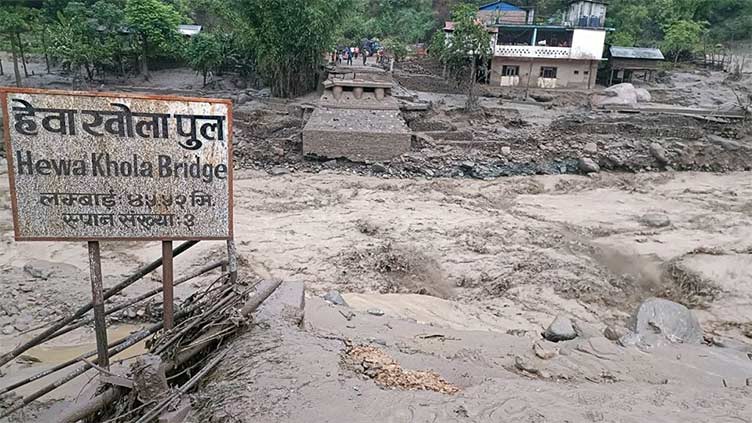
point(546, 56)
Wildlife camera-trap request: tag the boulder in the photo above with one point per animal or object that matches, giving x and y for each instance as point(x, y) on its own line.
point(655, 220)
point(659, 153)
point(542, 97)
point(643, 95)
point(335, 298)
point(616, 95)
point(243, 98)
point(278, 171)
point(561, 329)
point(671, 320)
point(613, 333)
point(591, 148)
point(588, 165)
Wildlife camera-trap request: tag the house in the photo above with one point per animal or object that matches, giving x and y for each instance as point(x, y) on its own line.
point(506, 13)
point(564, 55)
point(626, 63)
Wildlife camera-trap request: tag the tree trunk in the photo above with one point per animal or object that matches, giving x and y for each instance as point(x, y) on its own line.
point(144, 61)
point(471, 95)
point(14, 52)
point(23, 55)
point(44, 46)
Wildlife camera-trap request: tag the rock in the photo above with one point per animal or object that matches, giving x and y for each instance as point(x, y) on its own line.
point(526, 365)
point(330, 164)
point(542, 97)
point(375, 312)
point(8, 329)
point(278, 151)
point(467, 166)
point(264, 93)
point(545, 350)
point(619, 94)
point(655, 220)
point(599, 347)
point(3, 166)
point(378, 168)
point(588, 165)
point(243, 98)
point(43, 269)
point(725, 143)
point(506, 150)
point(671, 320)
point(613, 333)
point(335, 298)
point(658, 152)
point(643, 95)
point(561, 329)
point(591, 148)
point(279, 171)
point(586, 330)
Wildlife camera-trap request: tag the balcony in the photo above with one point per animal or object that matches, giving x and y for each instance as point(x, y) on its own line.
point(536, 52)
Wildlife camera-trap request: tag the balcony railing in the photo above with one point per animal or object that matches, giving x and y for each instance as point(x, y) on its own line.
point(533, 51)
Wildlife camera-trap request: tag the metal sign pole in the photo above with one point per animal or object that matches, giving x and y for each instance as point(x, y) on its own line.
point(167, 285)
point(97, 297)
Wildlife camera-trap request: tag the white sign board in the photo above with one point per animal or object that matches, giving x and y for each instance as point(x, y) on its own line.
point(98, 166)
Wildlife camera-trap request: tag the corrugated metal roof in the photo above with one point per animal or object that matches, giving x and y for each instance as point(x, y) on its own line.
point(500, 6)
point(189, 30)
point(636, 53)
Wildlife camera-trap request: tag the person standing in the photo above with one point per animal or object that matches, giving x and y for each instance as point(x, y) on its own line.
point(348, 54)
point(365, 56)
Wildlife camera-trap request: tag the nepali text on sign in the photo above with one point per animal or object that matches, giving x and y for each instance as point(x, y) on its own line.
point(113, 166)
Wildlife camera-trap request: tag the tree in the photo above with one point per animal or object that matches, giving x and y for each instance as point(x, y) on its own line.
point(205, 54)
point(290, 38)
point(468, 46)
point(682, 37)
point(155, 25)
point(12, 24)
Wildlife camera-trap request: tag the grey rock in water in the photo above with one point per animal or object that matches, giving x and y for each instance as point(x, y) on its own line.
point(8, 329)
point(335, 298)
point(561, 329)
point(670, 320)
point(279, 171)
point(655, 220)
point(588, 165)
point(613, 333)
point(375, 312)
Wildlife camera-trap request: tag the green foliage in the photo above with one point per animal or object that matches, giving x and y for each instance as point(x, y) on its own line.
point(156, 24)
point(396, 48)
point(205, 54)
point(409, 21)
point(682, 37)
point(289, 38)
point(466, 50)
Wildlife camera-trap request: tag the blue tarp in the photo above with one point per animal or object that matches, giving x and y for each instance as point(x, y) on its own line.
point(500, 6)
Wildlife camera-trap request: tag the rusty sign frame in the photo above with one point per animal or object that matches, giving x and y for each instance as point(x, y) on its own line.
point(4, 91)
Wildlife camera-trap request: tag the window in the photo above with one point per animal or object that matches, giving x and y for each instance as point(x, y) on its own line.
point(587, 72)
point(576, 72)
point(510, 71)
point(547, 72)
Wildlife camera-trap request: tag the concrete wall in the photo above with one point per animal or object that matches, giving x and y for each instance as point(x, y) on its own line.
point(586, 8)
point(587, 44)
point(569, 73)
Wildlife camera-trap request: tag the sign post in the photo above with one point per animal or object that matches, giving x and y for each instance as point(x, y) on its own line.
point(97, 296)
point(90, 166)
point(167, 288)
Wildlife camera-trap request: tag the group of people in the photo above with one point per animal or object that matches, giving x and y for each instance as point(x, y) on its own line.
point(348, 54)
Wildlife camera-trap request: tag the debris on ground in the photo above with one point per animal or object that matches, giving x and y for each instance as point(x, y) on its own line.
point(387, 372)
